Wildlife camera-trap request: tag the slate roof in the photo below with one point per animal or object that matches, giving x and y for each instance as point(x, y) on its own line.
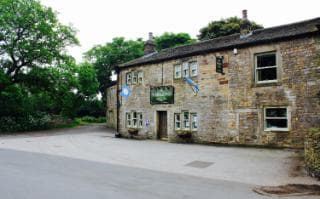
point(261, 36)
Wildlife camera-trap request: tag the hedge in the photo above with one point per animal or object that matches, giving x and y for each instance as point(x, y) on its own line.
point(312, 152)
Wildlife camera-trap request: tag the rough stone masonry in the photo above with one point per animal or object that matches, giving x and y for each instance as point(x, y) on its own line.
point(249, 103)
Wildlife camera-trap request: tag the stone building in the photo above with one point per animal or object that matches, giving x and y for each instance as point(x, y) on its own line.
point(258, 87)
point(111, 106)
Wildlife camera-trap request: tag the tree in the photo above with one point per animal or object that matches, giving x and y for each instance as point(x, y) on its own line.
point(224, 27)
point(169, 40)
point(88, 82)
point(31, 38)
point(105, 57)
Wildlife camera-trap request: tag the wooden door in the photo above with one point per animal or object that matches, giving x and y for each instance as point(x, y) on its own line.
point(162, 125)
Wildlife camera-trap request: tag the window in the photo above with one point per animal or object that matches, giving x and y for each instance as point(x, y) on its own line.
point(186, 70)
point(140, 123)
point(128, 78)
point(134, 77)
point(266, 67)
point(140, 77)
point(185, 67)
point(276, 119)
point(128, 117)
point(193, 68)
point(134, 119)
point(194, 121)
point(177, 71)
point(177, 121)
point(186, 121)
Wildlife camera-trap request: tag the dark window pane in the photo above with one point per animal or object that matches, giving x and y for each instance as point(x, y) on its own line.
point(276, 112)
point(267, 74)
point(277, 123)
point(266, 60)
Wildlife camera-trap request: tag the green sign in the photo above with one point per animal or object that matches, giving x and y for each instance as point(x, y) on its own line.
point(162, 95)
point(219, 65)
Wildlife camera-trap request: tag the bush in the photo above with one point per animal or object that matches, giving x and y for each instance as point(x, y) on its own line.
point(312, 152)
point(36, 121)
point(90, 119)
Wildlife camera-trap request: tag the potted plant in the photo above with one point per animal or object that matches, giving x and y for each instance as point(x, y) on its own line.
point(184, 134)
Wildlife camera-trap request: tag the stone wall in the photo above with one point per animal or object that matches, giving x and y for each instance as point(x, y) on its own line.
point(111, 107)
point(312, 152)
point(230, 106)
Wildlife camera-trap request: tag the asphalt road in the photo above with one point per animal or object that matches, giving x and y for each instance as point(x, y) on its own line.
point(25, 175)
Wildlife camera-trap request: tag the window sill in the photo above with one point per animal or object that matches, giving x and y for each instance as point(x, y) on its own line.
point(266, 84)
point(182, 79)
point(276, 130)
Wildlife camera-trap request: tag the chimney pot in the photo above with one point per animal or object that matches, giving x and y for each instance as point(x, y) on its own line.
point(150, 36)
point(244, 14)
point(245, 26)
point(150, 46)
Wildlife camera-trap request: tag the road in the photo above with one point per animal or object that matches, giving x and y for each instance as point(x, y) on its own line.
point(51, 165)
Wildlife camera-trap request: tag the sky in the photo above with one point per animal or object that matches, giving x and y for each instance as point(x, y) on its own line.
point(98, 21)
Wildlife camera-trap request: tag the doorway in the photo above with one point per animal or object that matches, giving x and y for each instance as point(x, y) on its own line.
point(162, 125)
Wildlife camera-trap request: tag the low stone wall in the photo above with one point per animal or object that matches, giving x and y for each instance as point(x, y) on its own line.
point(312, 152)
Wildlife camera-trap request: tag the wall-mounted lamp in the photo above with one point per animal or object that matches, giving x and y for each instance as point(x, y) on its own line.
point(235, 51)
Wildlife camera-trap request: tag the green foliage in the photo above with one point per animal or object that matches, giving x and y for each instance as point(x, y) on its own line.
point(31, 37)
point(93, 108)
point(88, 82)
point(312, 152)
point(105, 57)
point(169, 40)
point(37, 78)
point(223, 27)
point(90, 119)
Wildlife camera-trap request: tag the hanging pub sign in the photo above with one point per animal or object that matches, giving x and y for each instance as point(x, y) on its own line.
point(219, 64)
point(162, 95)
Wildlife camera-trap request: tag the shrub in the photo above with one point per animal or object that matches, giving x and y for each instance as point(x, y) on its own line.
point(90, 119)
point(33, 122)
point(312, 152)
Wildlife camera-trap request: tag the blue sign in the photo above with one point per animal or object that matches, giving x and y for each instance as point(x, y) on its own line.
point(125, 91)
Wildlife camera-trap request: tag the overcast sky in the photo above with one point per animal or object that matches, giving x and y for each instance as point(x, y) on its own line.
point(98, 21)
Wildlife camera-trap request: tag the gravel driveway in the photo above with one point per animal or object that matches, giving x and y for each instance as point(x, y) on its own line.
point(97, 143)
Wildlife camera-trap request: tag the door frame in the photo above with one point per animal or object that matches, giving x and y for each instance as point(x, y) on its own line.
point(158, 112)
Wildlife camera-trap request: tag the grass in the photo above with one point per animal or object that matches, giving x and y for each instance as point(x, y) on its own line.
point(90, 120)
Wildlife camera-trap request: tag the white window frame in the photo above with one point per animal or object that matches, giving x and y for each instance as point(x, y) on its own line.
point(128, 119)
point(140, 120)
point(185, 69)
point(179, 67)
point(265, 67)
point(134, 117)
point(140, 77)
point(288, 118)
point(177, 121)
point(186, 122)
point(193, 67)
point(134, 77)
point(128, 78)
point(194, 121)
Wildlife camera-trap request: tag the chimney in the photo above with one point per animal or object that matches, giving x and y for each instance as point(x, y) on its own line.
point(245, 26)
point(244, 15)
point(150, 46)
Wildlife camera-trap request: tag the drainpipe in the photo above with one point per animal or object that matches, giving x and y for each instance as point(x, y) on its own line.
point(118, 100)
